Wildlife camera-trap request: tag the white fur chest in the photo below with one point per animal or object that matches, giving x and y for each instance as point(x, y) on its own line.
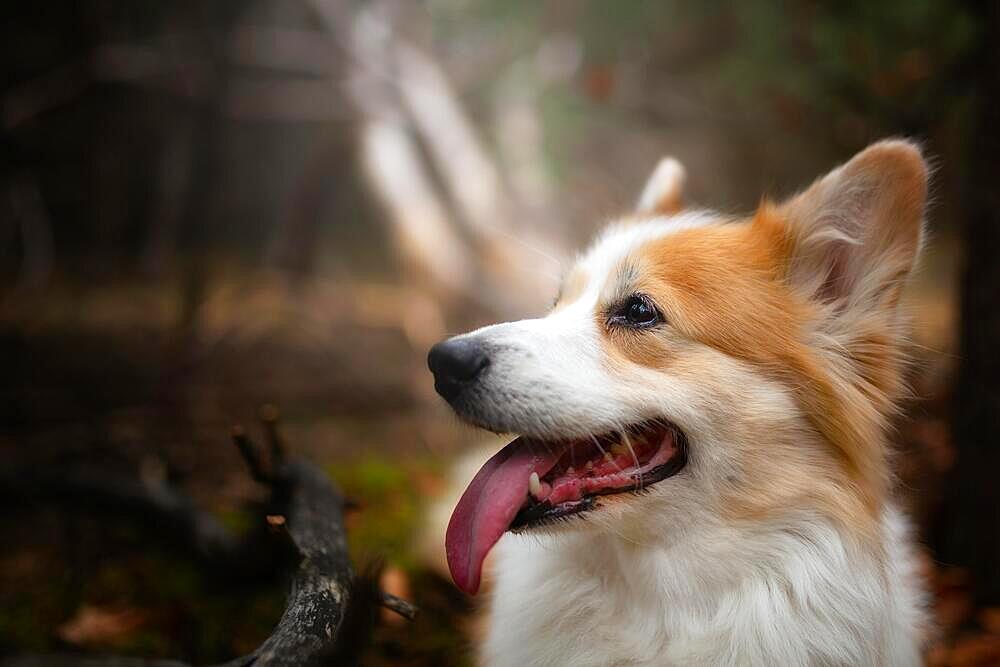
point(783, 595)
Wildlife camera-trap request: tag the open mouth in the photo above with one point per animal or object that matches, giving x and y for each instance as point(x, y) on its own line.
point(531, 482)
point(628, 461)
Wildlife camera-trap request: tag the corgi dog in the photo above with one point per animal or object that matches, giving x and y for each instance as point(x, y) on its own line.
point(701, 474)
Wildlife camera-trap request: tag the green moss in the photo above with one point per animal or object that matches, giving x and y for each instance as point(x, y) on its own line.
point(239, 521)
point(389, 507)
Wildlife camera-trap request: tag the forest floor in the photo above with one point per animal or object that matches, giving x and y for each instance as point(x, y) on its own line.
point(143, 382)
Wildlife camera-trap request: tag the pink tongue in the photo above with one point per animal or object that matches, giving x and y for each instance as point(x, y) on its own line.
point(489, 505)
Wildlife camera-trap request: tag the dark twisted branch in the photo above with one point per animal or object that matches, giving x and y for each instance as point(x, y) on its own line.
point(321, 585)
point(306, 509)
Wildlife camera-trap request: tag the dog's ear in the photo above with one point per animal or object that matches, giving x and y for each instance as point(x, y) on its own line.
point(854, 235)
point(664, 191)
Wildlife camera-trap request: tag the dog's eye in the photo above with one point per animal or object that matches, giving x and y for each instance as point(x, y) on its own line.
point(638, 312)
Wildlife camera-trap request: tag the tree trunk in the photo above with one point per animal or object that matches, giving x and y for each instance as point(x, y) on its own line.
point(969, 529)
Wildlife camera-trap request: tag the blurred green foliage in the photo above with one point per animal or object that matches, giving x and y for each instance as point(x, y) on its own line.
point(389, 505)
point(844, 72)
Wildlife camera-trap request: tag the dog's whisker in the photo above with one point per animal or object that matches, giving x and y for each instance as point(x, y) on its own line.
point(522, 242)
point(547, 447)
point(631, 450)
point(607, 455)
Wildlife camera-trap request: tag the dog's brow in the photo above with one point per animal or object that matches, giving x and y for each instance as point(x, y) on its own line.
point(625, 277)
point(623, 281)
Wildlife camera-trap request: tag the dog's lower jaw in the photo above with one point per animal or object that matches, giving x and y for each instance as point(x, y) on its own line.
point(799, 595)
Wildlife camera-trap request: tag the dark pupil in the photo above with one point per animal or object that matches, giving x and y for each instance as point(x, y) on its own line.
point(639, 311)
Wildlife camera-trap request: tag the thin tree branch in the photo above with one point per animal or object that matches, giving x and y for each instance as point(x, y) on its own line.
point(398, 605)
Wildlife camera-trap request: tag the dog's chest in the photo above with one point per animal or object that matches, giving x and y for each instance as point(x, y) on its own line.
point(546, 612)
point(792, 602)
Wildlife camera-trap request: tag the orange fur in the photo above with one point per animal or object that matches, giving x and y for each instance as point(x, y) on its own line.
point(725, 286)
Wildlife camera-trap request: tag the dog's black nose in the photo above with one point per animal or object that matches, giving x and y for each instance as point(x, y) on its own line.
point(455, 363)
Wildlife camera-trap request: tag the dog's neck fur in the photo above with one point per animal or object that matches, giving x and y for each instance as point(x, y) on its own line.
point(782, 593)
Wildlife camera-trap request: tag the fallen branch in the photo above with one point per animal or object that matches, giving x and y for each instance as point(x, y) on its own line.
point(305, 509)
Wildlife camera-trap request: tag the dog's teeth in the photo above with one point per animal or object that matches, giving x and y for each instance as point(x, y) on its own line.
point(608, 457)
point(590, 466)
point(570, 470)
point(617, 449)
point(535, 485)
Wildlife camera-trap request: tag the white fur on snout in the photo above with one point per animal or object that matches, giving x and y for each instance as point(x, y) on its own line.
point(550, 377)
point(545, 379)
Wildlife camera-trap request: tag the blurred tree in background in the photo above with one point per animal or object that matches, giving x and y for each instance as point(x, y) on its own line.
point(204, 206)
point(241, 118)
point(968, 532)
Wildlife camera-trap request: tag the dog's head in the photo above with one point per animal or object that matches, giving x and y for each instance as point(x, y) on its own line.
point(699, 368)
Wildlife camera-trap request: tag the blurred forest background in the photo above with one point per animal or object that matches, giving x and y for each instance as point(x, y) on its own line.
point(208, 209)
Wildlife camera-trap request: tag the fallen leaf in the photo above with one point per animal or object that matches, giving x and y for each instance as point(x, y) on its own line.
point(989, 618)
point(976, 651)
point(98, 625)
